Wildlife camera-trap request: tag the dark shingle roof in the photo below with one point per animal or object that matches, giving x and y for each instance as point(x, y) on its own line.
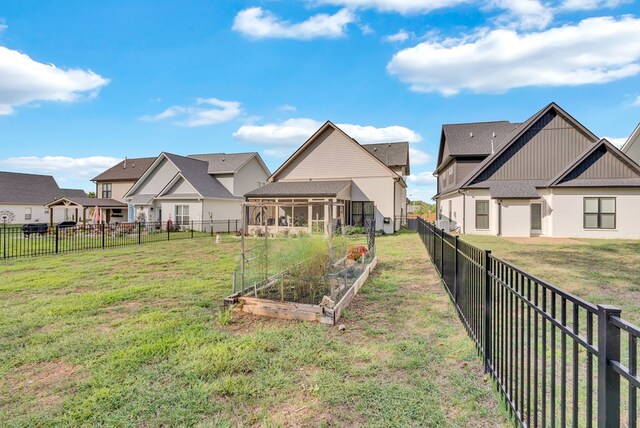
point(469, 139)
point(514, 189)
point(224, 163)
point(391, 154)
point(133, 170)
point(196, 172)
point(78, 193)
point(30, 189)
point(300, 188)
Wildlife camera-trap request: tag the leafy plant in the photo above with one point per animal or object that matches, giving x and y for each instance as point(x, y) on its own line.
point(225, 316)
point(357, 252)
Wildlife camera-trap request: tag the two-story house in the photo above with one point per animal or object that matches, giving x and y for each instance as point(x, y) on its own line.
point(548, 176)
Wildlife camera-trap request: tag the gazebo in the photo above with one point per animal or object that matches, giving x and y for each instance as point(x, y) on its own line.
point(109, 208)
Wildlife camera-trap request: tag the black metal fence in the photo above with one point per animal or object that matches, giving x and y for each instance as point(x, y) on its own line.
point(557, 359)
point(41, 240)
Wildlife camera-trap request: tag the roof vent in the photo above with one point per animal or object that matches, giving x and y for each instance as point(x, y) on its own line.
point(471, 134)
point(125, 163)
point(494, 135)
point(375, 149)
point(389, 145)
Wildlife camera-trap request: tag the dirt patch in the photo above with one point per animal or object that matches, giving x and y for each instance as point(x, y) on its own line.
point(543, 240)
point(47, 382)
point(245, 323)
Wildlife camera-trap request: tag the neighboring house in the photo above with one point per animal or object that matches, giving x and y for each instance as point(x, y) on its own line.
point(115, 182)
point(331, 170)
point(632, 147)
point(195, 188)
point(23, 198)
point(548, 176)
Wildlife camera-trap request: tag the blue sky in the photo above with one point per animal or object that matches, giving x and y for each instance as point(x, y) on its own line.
point(86, 83)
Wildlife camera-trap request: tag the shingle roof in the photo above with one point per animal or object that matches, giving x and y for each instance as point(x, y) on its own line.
point(514, 189)
point(391, 154)
point(196, 172)
point(475, 138)
point(30, 189)
point(224, 163)
point(300, 188)
point(78, 193)
point(132, 171)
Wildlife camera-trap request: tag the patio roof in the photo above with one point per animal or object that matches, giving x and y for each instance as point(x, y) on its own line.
point(299, 189)
point(87, 202)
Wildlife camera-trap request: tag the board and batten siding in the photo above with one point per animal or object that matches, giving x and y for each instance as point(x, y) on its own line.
point(541, 153)
point(601, 164)
point(332, 156)
point(118, 189)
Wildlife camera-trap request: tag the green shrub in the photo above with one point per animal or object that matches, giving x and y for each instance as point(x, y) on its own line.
point(225, 316)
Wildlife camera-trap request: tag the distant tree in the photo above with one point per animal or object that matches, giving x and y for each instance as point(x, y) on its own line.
point(91, 194)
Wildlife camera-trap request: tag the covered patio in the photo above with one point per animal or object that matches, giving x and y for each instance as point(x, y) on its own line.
point(109, 209)
point(314, 207)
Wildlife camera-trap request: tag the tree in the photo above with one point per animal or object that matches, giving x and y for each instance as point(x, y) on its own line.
point(91, 194)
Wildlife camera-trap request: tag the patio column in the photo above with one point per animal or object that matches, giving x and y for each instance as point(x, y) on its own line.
point(310, 215)
point(77, 219)
point(84, 216)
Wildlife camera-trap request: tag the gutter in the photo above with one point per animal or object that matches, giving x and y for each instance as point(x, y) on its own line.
point(464, 209)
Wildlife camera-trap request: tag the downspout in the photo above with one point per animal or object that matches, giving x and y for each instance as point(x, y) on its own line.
point(499, 217)
point(464, 210)
point(395, 180)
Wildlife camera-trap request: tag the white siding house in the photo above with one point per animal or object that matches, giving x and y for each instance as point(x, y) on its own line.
point(549, 176)
point(196, 188)
point(366, 181)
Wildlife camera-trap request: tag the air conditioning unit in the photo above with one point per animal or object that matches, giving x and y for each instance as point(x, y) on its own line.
point(443, 224)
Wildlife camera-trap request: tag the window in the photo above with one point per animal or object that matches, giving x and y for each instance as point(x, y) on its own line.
point(482, 214)
point(599, 213)
point(361, 212)
point(182, 215)
point(27, 213)
point(536, 217)
point(106, 190)
point(450, 174)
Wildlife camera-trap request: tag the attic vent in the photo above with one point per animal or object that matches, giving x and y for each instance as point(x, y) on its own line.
point(375, 149)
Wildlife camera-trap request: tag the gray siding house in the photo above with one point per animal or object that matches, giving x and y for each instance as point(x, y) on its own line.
point(548, 176)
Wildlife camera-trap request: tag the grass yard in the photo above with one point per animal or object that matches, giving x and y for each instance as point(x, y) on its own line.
point(600, 271)
point(131, 336)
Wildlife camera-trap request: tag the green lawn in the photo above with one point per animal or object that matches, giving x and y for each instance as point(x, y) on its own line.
point(129, 337)
point(600, 271)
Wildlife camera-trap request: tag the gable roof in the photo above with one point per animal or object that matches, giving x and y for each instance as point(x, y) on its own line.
point(126, 170)
point(88, 202)
point(516, 133)
point(196, 172)
point(569, 177)
point(31, 189)
point(228, 163)
point(300, 188)
point(391, 154)
point(633, 138)
point(472, 139)
point(328, 124)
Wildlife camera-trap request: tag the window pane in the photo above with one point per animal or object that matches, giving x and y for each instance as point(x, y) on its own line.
point(536, 216)
point(607, 221)
point(590, 205)
point(482, 207)
point(608, 205)
point(591, 221)
point(482, 222)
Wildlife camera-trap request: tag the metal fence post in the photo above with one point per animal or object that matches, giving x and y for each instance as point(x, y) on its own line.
point(608, 379)
point(168, 231)
point(139, 233)
point(487, 310)
point(56, 239)
point(102, 235)
point(442, 254)
point(192, 228)
point(228, 227)
point(455, 271)
point(4, 241)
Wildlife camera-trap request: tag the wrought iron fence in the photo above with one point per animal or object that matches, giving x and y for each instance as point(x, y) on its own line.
point(42, 239)
point(557, 359)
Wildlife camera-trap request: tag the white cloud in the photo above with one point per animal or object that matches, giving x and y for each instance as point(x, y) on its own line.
point(422, 186)
point(573, 5)
point(68, 171)
point(208, 111)
point(529, 14)
point(258, 23)
point(399, 37)
point(404, 7)
point(422, 178)
point(596, 50)
point(617, 141)
point(287, 107)
point(23, 81)
point(636, 102)
point(293, 132)
point(419, 157)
